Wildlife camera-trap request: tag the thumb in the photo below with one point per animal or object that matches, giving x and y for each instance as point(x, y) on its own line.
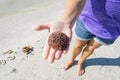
point(40, 27)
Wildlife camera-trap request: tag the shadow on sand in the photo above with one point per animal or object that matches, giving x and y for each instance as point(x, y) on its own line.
point(101, 62)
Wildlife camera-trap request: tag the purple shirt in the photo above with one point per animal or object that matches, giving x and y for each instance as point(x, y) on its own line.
point(102, 18)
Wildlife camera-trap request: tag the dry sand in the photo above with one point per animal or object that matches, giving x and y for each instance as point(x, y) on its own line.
point(16, 32)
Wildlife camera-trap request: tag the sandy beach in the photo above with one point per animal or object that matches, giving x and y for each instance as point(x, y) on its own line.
point(16, 32)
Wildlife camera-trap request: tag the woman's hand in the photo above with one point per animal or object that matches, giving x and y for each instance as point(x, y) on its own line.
point(49, 53)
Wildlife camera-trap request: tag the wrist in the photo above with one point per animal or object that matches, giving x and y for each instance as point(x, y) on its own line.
point(67, 23)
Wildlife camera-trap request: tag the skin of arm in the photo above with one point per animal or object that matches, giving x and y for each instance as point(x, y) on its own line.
point(72, 10)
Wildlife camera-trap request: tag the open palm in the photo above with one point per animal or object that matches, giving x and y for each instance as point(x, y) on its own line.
point(49, 53)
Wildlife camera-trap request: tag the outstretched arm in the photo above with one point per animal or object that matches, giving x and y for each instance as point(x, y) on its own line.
point(72, 10)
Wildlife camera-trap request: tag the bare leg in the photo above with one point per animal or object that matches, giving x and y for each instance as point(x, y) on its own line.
point(76, 50)
point(88, 50)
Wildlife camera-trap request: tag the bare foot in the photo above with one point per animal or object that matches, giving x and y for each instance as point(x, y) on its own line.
point(80, 70)
point(68, 64)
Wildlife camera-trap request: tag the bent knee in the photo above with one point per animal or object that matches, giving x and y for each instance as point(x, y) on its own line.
point(79, 46)
point(91, 45)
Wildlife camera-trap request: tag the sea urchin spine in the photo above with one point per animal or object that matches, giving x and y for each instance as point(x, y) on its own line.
point(58, 40)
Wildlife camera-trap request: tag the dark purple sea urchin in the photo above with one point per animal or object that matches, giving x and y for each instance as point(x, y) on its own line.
point(58, 40)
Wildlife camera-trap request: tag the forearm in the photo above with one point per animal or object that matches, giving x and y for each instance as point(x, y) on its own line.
point(72, 10)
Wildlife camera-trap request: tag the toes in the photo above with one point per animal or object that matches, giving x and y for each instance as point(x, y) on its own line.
point(80, 70)
point(68, 65)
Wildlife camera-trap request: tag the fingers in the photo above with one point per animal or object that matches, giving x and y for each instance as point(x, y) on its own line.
point(58, 55)
point(66, 50)
point(40, 27)
point(46, 50)
point(51, 56)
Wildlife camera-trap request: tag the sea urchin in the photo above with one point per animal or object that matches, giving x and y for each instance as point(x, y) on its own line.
point(58, 40)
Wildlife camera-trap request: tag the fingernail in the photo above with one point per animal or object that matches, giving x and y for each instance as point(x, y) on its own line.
point(64, 52)
point(50, 60)
point(43, 56)
point(33, 27)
